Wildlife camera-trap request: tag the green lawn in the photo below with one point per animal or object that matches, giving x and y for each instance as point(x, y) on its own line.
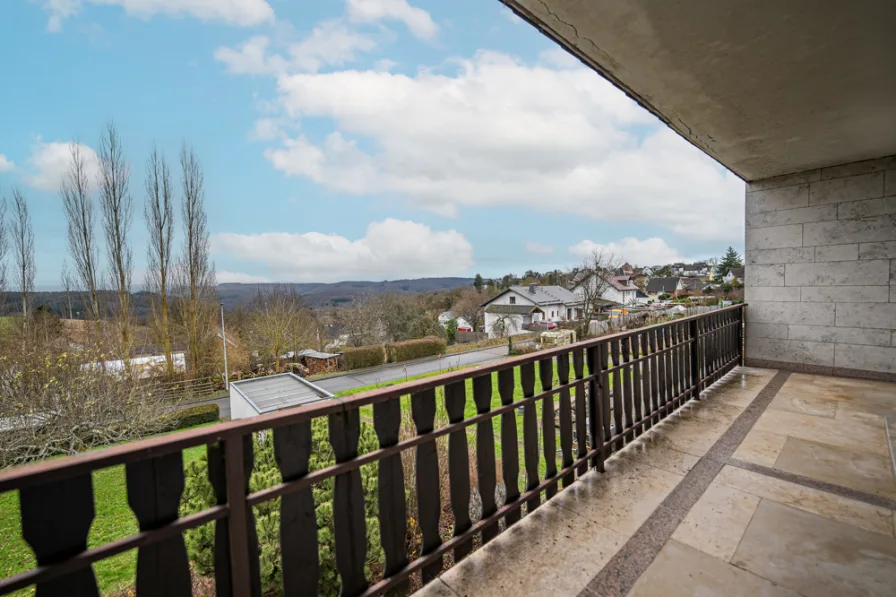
point(114, 520)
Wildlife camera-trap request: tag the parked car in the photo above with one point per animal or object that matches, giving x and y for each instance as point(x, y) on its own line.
point(543, 325)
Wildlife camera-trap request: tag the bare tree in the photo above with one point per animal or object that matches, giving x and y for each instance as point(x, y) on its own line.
point(116, 207)
point(468, 305)
point(80, 218)
point(196, 272)
point(23, 245)
point(593, 279)
point(159, 215)
point(68, 286)
point(4, 244)
point(280, 321)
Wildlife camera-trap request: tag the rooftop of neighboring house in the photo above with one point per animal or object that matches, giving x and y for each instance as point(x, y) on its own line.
point(622, 283)
point(543, 295)
point(737, 272)
point(663, 284)
point(694, 284)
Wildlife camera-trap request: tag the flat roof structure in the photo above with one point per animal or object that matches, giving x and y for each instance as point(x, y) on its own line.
point(271, 393)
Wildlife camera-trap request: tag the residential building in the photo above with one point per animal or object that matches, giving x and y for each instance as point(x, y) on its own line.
point(619, 289)
point(657, 286)
point(735, 274)
point(518, 306)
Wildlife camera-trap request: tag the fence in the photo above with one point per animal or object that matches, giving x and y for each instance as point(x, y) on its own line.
point(189, 389)
point(467, 337)
point(617, 387)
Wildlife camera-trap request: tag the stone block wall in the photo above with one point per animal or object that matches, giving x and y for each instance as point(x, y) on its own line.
point(820, 276)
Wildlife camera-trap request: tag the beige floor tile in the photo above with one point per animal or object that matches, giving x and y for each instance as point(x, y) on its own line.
point(741, 398)
point(622, 498)
point(760, 447)
point(436, 588)
point(551, 552)
point(697, 428)
point(656, 450)
point(717, 521)
point(857, 470)
point(815, 556)
point(845, 434)
point(801, 401)
point(834, 507)
point(847, 411)
point(681, 571)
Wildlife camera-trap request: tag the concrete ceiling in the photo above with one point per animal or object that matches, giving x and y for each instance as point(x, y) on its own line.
point(766, 87)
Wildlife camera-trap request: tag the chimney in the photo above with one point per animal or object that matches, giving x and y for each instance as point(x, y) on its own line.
point(532, 288)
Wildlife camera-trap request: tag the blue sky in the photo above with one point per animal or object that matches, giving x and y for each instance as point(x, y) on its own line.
point(357, 139)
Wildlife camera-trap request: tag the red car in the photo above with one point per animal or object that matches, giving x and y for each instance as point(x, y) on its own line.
point(544, 325)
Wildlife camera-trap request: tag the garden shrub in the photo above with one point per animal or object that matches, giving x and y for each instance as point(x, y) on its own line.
point(363, 356)
point(415, 349)
point(198, 495)
point(194, 415)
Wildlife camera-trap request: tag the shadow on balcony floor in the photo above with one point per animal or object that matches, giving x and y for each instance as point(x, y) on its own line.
point(774, 484)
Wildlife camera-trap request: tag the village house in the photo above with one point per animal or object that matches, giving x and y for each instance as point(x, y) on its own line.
point(657, 286)
point(519, 306)
point(620, 289)
point(734, 274)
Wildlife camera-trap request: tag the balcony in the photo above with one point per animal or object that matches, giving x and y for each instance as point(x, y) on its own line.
point(705, 476)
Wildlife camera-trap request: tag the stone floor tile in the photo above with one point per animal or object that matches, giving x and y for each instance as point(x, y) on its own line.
point(622, 498)
point(828, 505)
point(717, 521)
point(815, 556)
point(800, 401)
point(681, 571)
point(760, 447)
point(436, 588)
point(656, 450)
point(845, 434)
point(857, 470)
point(551, 552)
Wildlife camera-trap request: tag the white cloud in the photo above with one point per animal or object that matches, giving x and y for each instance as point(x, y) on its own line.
point(558, 57)
point(243, 13)
point(650, 251)
point(330, 43)
point(389, 249)
point(500, 132)
point(5, 164)
point(50, 161)
point(225, 277)
point(384, 65)
point(265, 129)
point(538, 248)
point(371, 11)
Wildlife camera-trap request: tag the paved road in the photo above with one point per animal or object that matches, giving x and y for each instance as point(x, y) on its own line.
point(350, 381)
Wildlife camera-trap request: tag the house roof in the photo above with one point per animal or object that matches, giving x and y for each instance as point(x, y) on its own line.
point(543, 295)
point(662, 284)
point(619, 283)
point(737, 272)
point(512, 309)
point(275, 392)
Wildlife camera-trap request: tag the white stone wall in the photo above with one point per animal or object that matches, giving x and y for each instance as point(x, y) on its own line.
point(821, 268)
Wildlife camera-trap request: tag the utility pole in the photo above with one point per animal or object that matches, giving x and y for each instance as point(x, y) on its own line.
point(224, 341)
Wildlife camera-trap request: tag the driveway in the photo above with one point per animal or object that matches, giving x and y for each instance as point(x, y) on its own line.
point(350, 381)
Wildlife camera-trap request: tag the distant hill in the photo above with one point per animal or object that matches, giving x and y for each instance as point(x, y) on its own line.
point(317, 295)
point(322, 295)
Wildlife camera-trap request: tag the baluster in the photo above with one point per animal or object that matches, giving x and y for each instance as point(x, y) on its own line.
point(390, 494)
point(603, 418)
point(740, 335)
point(637, 381)
point(349, 521)
point(665, 380)
point(548, 430)
point(458, 467)
point(618, 394)
point(675, 369)
point(298, 521)
point(627, 394)
point(565, 418)
point(597, 368)
point(654, 377)
point(530, 435)
point(682, 365)
point(485, 453)
point(56, 518)
point(578, 362)
point(694, 358)
point(423, 411)
point(685, 335)
point(154, 490)
point(510, 448)
point(236, 542)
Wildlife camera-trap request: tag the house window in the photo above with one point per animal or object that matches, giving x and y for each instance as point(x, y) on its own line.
point(513, 300)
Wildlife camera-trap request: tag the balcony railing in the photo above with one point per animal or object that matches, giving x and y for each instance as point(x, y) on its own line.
point(613, 388)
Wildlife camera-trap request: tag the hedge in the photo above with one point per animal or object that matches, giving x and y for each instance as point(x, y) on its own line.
point(415, 349)
point(363, 356)
point(194, 415)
